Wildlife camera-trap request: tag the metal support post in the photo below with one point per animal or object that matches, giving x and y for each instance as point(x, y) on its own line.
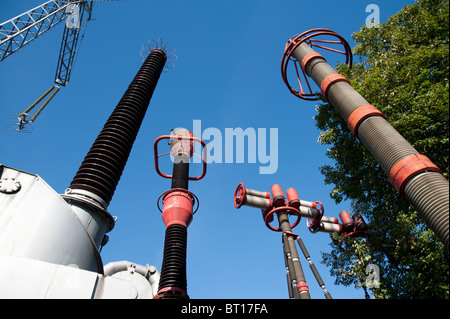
point(23, 116)
point(298, 276)
point(313, 268)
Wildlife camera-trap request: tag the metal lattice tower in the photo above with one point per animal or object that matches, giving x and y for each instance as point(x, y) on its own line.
point(21, 30)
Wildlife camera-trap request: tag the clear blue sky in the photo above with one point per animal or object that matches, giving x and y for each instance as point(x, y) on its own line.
point(227, 75)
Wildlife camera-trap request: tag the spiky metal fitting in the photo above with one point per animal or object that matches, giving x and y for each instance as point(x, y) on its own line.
point(159, 45)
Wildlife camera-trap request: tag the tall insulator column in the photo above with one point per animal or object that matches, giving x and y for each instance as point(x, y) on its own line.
point(177, 214)
point(102, 167)
point(93, 186)
point(415, 177)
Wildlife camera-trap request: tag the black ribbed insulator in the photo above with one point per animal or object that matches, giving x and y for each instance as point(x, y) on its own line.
point(180, 175)
point(173, 270)
point(102, 167)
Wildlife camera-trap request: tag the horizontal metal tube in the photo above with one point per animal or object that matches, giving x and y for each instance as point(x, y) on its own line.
point(307, 204)
point(257, 202)
point(257, 193)
point(330, 228)
point(307, 212)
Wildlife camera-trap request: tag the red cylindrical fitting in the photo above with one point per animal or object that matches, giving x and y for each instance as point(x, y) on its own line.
point(277, 195)
point(177, 208)
point(347, 221)
point(293, 199)
point(183, 145)
point(360, 224)
point(302, 286)
point(264, 214)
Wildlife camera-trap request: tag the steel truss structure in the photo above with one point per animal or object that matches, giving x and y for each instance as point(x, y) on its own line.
point(21, 30)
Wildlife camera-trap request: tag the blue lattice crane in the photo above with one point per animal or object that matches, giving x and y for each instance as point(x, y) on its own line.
point(22, 29)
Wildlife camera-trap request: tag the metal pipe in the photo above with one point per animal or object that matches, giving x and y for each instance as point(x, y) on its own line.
point(42, 107)
point(313, 268)
point(288, 273)
point(39, 99)
point(413, 175)
point(149, 272)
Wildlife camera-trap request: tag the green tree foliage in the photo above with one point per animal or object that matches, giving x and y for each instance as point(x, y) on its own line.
point(404, 72)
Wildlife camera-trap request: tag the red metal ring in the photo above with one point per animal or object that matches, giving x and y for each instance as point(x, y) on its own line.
point(195, 198)
point(242, 194)
point(288, 210)
point(308, 37)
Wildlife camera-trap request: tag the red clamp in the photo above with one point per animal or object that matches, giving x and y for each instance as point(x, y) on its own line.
point(407, 168)
point(179, 137)
point(308, 58)
point(329, 81)
point(359, 115)
point(302, 286)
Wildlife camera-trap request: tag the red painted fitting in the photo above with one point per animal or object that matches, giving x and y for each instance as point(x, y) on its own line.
point(347, 222)
point(359, 222)
point(329, 81)
point(177, 208)
point(291, 235)
point(308, 58)
point(175, 291)
point(277, 195)
point(182, 146)
point(407, 168)
point(359, 115)
point(293, 199)
point(264, 215)
point(302, 286)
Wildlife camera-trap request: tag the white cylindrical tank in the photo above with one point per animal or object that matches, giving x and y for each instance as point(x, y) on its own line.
point(37, 223)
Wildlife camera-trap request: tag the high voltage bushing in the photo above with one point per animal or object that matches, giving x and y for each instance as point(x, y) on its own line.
point(177, 212)
point(413, 175)
point(102, 167)
point(282, 207)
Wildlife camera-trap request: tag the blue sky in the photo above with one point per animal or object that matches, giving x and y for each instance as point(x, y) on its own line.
point(227, 75)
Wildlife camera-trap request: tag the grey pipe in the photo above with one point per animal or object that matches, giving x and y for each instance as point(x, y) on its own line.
point(428, 191)
point(149, 272)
